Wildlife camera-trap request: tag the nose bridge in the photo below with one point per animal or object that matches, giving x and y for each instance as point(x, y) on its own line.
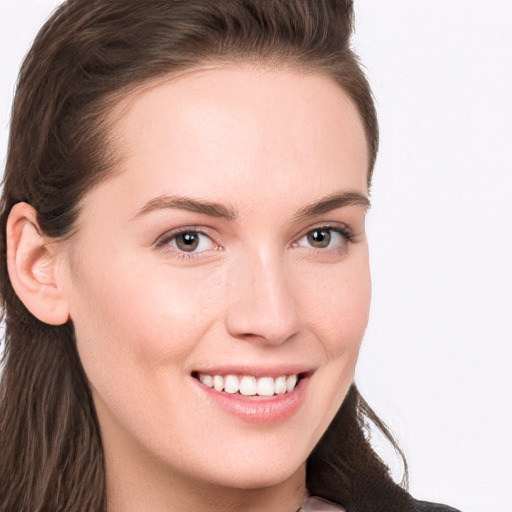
point(261, 301)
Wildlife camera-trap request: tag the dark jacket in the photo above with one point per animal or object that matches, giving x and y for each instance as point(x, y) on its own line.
point(425, 506)
point(315, 504)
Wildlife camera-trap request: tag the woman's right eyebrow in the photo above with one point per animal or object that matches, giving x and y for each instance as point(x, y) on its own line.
point(187, 203)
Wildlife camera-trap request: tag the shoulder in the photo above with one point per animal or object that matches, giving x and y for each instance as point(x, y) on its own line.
point(426, 506)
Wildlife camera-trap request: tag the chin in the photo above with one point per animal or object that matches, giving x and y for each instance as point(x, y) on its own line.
point(259, 478)
point(254, 473)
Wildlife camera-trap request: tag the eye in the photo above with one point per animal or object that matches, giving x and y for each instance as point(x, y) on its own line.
point(187, 242)
point(324, 238)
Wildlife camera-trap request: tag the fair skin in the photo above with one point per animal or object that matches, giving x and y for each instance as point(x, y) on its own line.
point(273, 280)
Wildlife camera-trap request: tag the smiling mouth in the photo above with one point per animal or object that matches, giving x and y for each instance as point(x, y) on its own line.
point(249, 385)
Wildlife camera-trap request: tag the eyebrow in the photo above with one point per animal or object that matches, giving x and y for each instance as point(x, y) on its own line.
point(324, 205)
point(331, 202)
point(187, 203)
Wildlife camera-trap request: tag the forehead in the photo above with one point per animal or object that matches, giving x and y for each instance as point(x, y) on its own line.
point(222, 132)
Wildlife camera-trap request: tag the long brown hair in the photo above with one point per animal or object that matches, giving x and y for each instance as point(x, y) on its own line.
point(88, 55)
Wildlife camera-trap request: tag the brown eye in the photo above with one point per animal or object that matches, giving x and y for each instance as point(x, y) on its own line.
point(325, 238)
point(187, 242)
point(319, 238)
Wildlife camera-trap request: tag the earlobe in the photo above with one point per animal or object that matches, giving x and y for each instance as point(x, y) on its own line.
point(32, 262)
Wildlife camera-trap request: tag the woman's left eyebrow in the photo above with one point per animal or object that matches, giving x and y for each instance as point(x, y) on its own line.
point(331, 202)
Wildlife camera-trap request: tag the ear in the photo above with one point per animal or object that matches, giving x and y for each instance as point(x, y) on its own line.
point(33, 266)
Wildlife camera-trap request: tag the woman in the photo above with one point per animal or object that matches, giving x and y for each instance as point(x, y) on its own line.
point(185, 268)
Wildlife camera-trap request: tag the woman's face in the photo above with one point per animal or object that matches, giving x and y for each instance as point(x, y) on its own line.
point(230, 247)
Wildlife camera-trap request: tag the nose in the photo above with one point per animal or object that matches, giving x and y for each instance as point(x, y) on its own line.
point(261, 306)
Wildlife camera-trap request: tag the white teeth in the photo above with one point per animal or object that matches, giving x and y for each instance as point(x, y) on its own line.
point(248, 385)
point(291, 382)
point(207, 380)
point(231, 384)
point(265, 386)
point(218, 383)
point(280, 385)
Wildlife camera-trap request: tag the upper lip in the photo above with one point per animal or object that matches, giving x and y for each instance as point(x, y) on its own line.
point(267, 370)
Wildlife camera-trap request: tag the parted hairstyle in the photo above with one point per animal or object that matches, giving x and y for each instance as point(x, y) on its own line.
point(88, 56)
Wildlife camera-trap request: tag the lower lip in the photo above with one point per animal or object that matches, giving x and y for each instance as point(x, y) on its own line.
point(258, 410)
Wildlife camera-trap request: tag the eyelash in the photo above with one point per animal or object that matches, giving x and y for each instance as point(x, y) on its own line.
point(341, 235)
point(165, 240)
point(343, 231)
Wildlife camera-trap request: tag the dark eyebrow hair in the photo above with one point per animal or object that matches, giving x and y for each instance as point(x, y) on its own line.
point(187, 203)
point(331, 202)
point(324, 205)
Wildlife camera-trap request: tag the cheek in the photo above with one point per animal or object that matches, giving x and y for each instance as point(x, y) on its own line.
point(336, 304)
point(130, 317)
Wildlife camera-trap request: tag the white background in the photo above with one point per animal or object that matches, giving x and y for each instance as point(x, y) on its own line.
point(436, 363)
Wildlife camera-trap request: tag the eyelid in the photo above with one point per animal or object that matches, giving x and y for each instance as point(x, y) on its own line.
point(341, 227)
point(163, 241)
